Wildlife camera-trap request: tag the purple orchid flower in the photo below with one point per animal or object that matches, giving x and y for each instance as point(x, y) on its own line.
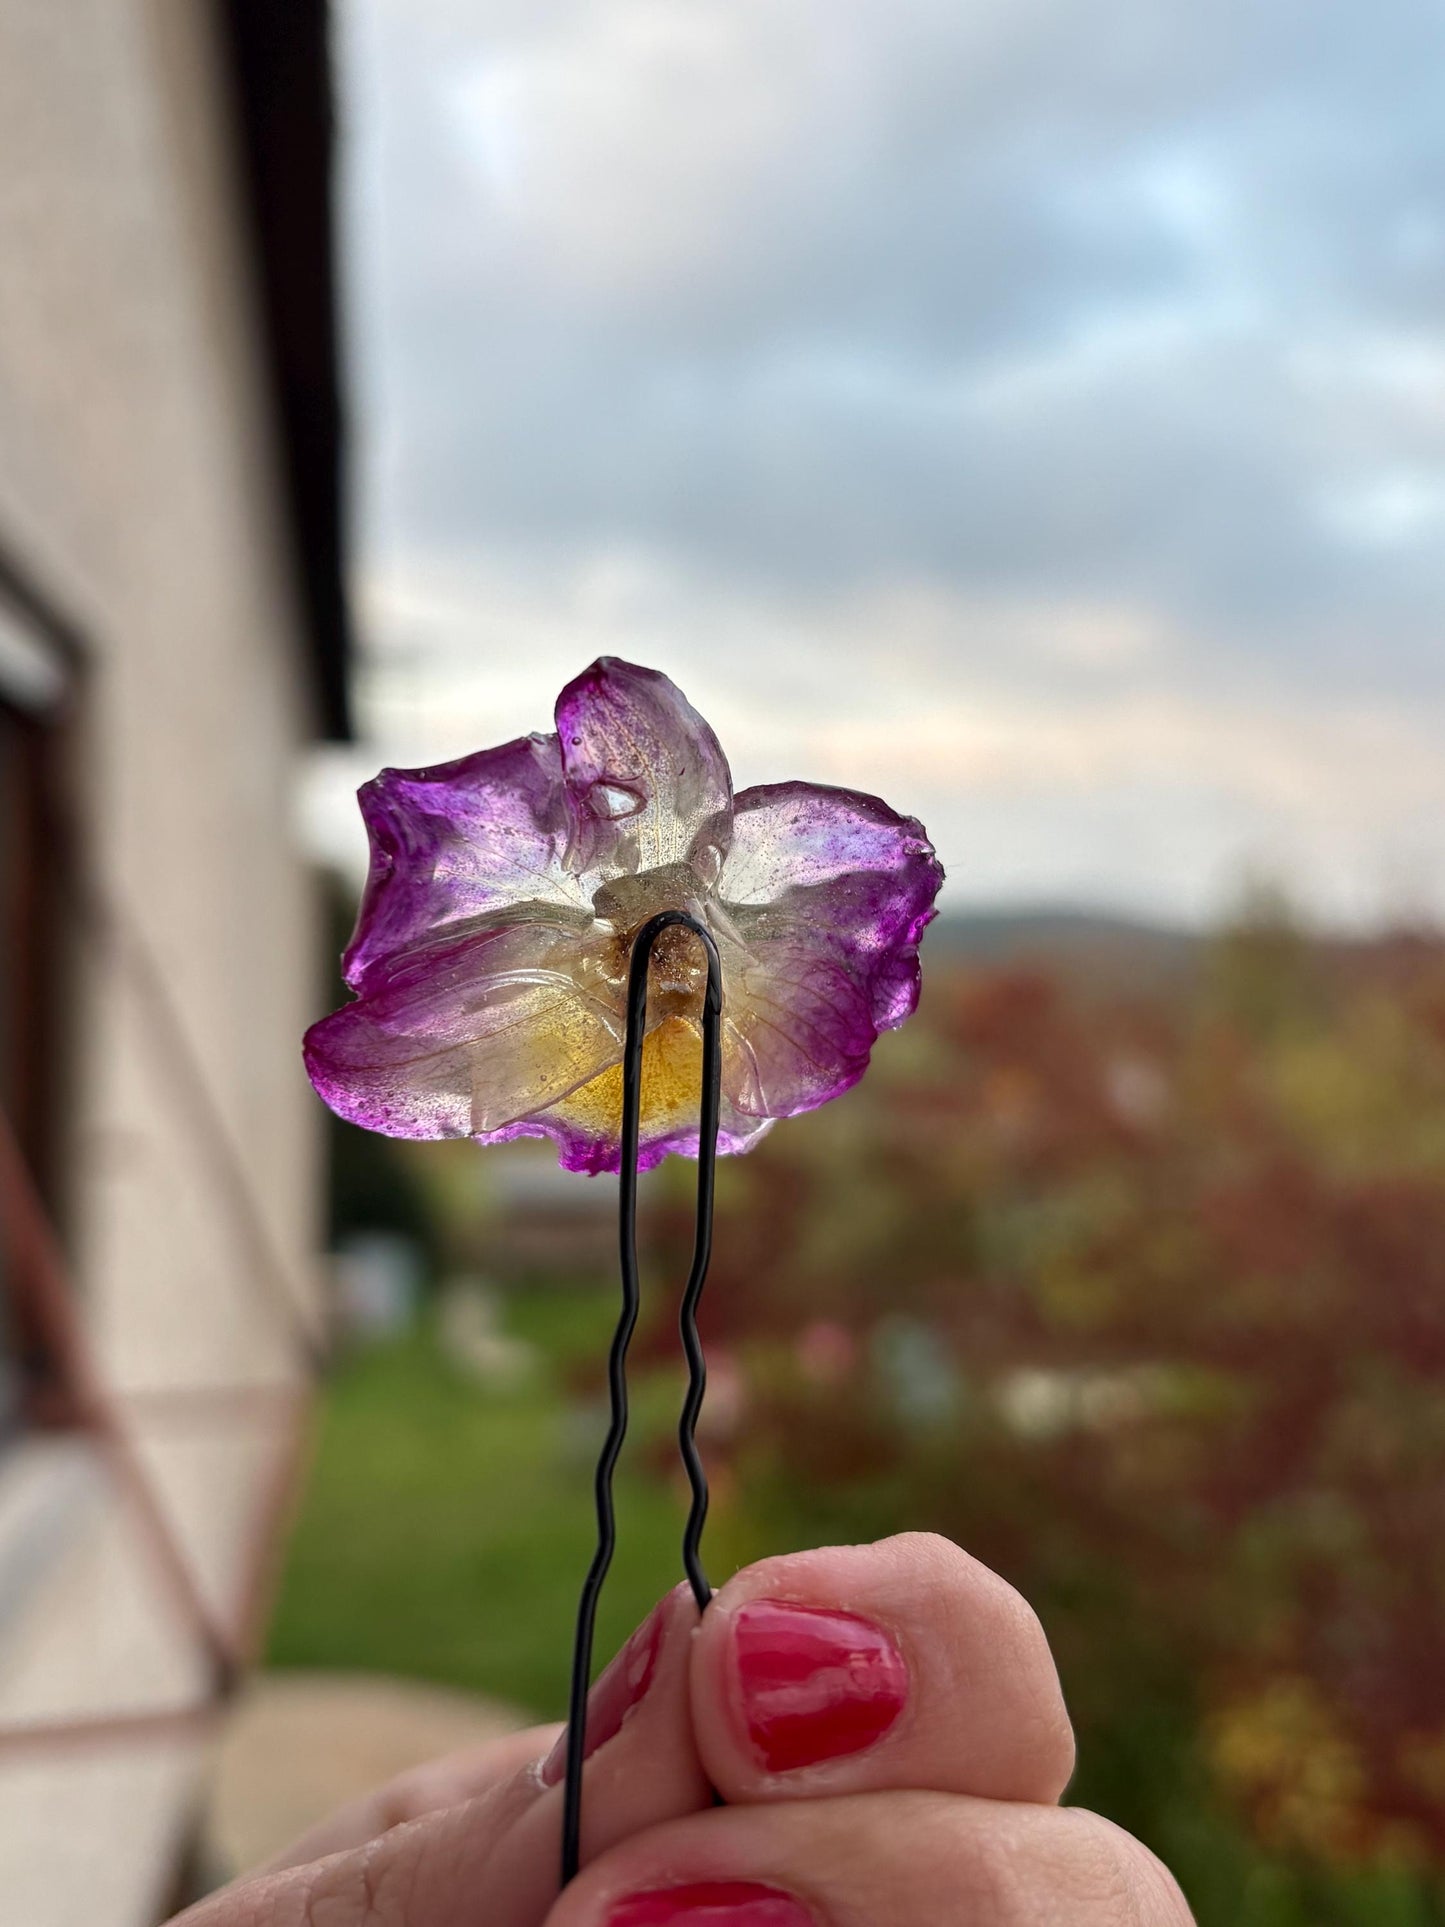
point(491, 952)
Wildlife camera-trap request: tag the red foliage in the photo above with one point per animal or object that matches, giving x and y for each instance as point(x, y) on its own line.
point(1148, 1295)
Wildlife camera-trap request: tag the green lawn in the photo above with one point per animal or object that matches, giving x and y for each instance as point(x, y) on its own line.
point(445, 1529)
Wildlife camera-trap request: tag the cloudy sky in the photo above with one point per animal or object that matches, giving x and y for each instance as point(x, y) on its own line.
point(1031, 410)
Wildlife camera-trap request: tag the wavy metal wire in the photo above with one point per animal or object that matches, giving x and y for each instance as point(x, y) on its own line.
point(627, 1325)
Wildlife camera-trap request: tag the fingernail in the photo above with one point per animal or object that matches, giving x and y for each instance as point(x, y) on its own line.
point(623, 1684)
point(813, 1684)
point(711, 1903)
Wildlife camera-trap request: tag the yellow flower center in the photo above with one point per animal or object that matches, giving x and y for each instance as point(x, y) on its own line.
point(671, 1075)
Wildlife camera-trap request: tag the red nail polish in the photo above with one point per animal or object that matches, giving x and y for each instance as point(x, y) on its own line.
point(623, 1683)
point(814, 1684)
point(711, 1903)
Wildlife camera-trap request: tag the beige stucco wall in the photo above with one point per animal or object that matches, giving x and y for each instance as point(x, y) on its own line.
point(139, 491)
point(138, 486)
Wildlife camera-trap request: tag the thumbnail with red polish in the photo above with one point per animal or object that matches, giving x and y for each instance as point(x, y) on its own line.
point(812, 1683)
point(623, 1683)
point(711, 1903)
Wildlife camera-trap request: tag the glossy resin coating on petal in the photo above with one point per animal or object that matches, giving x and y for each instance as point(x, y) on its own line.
point(492, 946)
point(453, 842)
point(649, 785)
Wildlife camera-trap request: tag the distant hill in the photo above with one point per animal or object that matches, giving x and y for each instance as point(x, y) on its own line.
point(1114, 949)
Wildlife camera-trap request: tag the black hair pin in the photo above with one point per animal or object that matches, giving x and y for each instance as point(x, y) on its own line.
point(626, 1325)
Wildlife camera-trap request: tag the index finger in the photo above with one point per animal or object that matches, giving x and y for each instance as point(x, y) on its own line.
point(450, 1781)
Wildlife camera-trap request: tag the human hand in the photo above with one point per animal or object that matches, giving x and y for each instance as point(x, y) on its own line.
point(884, 1722)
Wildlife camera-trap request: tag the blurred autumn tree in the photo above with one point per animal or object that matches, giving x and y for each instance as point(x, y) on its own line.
point(1139, 1294)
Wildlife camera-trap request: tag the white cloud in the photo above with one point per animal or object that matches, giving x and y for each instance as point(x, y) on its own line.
point(953, 709)
point(1393, 510)
point(1035, 413)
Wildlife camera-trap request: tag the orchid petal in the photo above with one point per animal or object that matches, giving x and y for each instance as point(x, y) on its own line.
point(647, 779)
point(795, 835)
point(579, 1151)
point(825, 894)
point(843, 869)
point(459, 840)
point(472, 1032)
point(798, 1028)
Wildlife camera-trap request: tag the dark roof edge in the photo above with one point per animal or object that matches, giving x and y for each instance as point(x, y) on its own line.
point(277, 61)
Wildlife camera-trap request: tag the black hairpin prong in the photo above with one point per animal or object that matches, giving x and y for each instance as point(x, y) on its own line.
point(709, 1102)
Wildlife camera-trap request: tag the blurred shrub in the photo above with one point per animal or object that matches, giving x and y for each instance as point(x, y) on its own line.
point(1140, 1295)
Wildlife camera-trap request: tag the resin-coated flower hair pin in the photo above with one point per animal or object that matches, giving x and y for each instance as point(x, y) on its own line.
point(586, 936)
point(491, 953)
